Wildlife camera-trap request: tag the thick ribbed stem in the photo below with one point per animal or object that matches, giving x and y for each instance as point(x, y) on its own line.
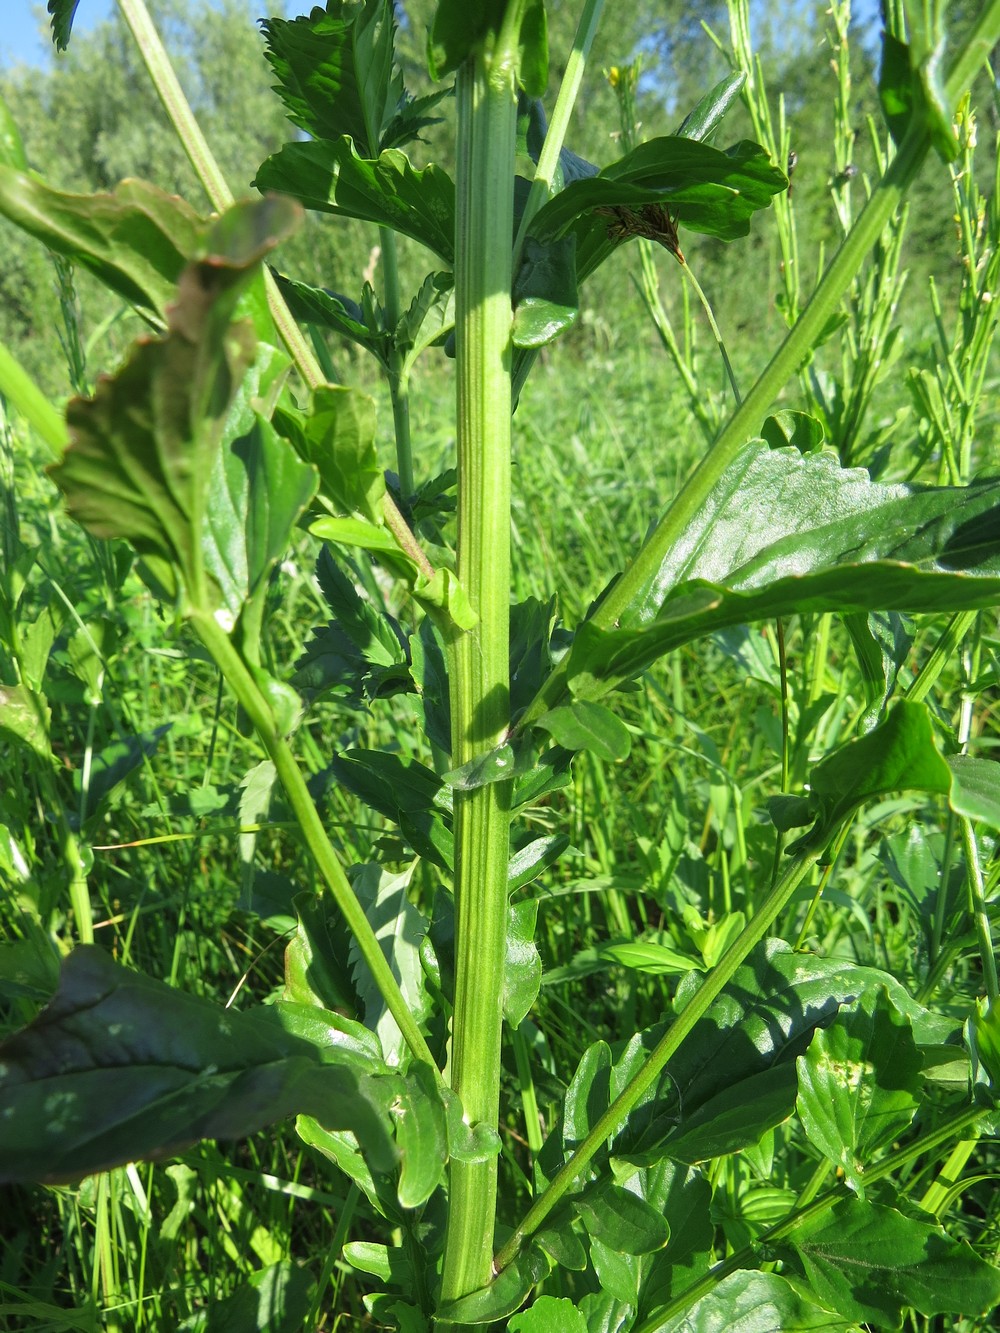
point(480, 694)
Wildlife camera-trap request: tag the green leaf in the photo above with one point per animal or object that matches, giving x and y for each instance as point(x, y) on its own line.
point(405, 791)
point(138, 1069)
point(549, 1314)
point(341, 1148)
point(911, 79)
point(546, 300)
point(899, 755)
point(421, 1135)
point(24, 718)
point(333, 178)
point(428, 319)
point(503, 1296)
point(783, 534)
point(870, 1263)
point(144, 448)
point(135, 240)
point(399, 927)
point(522, 971)
point(276, 1299)
point(11, 146)
point(443, 597)
point(63, 12)
point(859, 1085)
point(258, 490)
point(113, 764)
point(621, 1220)
point(338, 438)
point(528, 863)
point(650, 956)
point(881, 645)
point(752, 1302)
point(316, 305)
point(369, 537)
point(336, 71)
point(582, 725)
point(794, 430)
point(705, 119)
point(700, 187)
point(975, 788)
point(317, 968)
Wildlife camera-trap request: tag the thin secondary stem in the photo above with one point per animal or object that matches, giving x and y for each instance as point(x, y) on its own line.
point(479, 669)
point(548, 158)
point(307, 816)
point(639, 577)
point(209, 173)
point(616, 1114)
point(398, 379)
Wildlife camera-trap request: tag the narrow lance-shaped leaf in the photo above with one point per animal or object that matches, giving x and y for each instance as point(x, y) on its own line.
point(782, 534)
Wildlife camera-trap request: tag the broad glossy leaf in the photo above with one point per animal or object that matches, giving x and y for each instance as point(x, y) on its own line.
point(399, 927)
point(583, 725)
point(135, 240)
point(701, 187)
point(331, 177)
point(870, 1263)
point(546, 299)
point(367, 537)
point(522, 968)
point(899, 755)
point(549, 1314)
point(63, 13)
point(621, 1219)
point(859, 1085)
point(783, 534)
point(144, 448)
point(684, 1197)
point(276, 1299)
point(753, 1302)
point(505, 1294)
point(120, 1066)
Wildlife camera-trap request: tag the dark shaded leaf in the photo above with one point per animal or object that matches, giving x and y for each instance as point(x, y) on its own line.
point(621, 1219)
point(316, 305)
point(317, 968)
point(406, 792)
point(63, 12)
point(276, 1299)
point(115, 762)
point(120, 1067)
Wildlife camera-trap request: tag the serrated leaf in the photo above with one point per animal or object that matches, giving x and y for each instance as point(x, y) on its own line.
point(870, 1263)
point(330, 177)
point(135, 240)
point(407, 792)
point(63, 12)
point(399, 927)
point(330, 310)
point(782, 534)
point(120, 1067)
point(859, 1084)
point(144, 447)
point(583, 725)
point(549, 1314)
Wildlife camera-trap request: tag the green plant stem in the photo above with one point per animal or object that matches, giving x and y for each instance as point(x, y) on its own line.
point(17, 386)
point(978, 907)
point(479, 669)
point(749, 1256)
point(209, 173)
point(548, 158)
point(694, 1011)
point(398, 378)
point(279, 751)
point(639, 577)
